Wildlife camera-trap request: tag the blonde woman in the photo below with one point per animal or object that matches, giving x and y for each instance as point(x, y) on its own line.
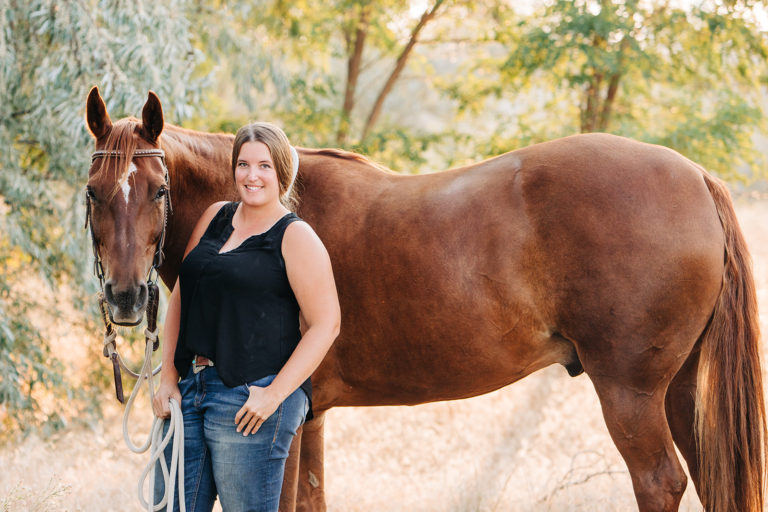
point(234, 357)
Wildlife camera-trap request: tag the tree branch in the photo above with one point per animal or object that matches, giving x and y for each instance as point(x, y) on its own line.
point(428, 15)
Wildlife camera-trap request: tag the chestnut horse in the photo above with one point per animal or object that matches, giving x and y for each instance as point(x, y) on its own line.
point(621, 259)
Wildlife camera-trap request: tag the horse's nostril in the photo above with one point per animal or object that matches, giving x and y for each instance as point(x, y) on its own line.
point(108, 293)
point(141, 301)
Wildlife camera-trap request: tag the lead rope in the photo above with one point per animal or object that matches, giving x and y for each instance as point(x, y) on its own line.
point(176, 428)
point(155, 439)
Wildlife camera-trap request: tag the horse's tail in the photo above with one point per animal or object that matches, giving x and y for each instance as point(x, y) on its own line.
point(730, 413)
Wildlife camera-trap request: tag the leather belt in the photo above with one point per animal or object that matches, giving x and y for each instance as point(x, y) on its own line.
point(200, 363)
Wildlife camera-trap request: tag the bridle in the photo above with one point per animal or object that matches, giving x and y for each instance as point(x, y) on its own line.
point(157, 260)
point(150, 332)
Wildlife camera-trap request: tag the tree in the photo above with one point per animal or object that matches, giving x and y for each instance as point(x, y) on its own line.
point(689, 79)
point(51, 53)
point(321, 54)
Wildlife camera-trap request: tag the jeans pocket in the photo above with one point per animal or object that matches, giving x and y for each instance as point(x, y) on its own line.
point(261, 383)
point(291, 415)
point(186, 385)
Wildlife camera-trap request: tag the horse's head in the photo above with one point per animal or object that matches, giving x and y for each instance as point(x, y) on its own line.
point(128, 202)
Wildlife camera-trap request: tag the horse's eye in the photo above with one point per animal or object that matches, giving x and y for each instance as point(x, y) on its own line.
point(161, 193)
point(90, 194)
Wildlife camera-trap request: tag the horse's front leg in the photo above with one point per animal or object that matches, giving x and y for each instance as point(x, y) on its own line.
point(303, 478)
point(291, 475)
point(311, 481)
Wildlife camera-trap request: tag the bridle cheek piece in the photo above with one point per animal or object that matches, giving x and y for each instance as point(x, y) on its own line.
point(150, 332)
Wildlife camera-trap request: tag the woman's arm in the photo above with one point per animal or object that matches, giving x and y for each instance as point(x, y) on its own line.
point(311, 277)
point(169, 377)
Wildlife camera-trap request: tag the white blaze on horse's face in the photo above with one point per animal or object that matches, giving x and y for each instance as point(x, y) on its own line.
point(125, 186)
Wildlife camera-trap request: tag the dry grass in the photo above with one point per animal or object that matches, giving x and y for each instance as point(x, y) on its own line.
point(539, 445)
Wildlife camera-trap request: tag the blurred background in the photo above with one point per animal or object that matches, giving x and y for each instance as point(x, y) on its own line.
point(419, 86)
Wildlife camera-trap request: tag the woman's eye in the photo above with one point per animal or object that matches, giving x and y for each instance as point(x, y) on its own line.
point(242, 164)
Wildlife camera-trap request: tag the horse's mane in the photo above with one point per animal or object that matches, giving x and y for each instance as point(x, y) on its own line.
point(120, 139)
point(347, 155)
point(175, 138)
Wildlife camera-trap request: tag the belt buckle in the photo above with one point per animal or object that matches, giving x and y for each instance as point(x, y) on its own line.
point(197, 368)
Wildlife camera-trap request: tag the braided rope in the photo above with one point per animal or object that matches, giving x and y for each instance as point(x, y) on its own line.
point(155, 438)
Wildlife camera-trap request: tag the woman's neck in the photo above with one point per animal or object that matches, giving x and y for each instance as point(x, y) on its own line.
point(259, 218)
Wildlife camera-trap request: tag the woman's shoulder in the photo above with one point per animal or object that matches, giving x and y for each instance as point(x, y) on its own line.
point(217, 210)
point(299, 236)
point(205, 221)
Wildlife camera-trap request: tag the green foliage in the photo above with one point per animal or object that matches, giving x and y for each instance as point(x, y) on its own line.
point(51, 53)
point(301, 83)
point(690, 79)
point(24, 362)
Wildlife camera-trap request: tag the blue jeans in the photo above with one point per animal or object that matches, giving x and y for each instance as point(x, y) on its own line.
point(245, 472)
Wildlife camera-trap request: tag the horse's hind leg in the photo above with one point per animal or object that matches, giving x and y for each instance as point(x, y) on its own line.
point(680, 409)
point(637, 423)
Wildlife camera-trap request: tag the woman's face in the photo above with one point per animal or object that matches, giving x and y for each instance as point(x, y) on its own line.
point(255, 175)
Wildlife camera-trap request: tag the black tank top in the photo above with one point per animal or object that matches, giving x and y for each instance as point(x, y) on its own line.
point(237, 307)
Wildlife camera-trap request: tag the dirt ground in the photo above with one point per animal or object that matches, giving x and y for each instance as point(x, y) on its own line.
point(538, 445)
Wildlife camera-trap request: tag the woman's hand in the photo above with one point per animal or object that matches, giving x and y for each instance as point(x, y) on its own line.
point(168, 389)
point(261, 404)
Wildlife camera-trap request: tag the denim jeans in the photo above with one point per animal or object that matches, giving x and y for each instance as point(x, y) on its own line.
point(245, 472)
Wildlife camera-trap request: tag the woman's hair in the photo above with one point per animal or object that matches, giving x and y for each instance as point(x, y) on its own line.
point(279, 149)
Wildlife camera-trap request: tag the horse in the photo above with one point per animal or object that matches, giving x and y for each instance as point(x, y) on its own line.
point(616, 258)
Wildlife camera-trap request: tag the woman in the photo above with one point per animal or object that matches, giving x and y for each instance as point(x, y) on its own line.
point(250, 272)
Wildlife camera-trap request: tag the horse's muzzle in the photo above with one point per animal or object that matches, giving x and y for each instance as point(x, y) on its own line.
point(126, 306)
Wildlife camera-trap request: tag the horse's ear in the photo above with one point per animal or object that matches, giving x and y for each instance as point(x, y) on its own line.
point(96, 115)
point(152, 118)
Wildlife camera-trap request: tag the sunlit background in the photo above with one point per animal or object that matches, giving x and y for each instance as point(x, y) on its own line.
point(475, 79)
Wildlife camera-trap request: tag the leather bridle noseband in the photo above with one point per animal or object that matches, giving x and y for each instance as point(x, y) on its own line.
point(150, 332)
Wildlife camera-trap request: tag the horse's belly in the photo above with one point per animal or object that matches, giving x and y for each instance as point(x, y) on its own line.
point(414, 360)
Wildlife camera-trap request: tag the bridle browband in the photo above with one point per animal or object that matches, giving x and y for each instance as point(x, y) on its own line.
point(110, 334)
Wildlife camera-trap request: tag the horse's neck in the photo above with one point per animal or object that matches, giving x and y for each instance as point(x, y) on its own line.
point(199, 173)
point(198, 162)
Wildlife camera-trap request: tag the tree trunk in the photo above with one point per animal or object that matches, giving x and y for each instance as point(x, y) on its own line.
point(613, 88)
point(605, 114)
point(353, 72)
point(590, 114)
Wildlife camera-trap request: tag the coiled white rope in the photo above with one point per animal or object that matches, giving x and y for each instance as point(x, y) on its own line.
point(157, 441)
